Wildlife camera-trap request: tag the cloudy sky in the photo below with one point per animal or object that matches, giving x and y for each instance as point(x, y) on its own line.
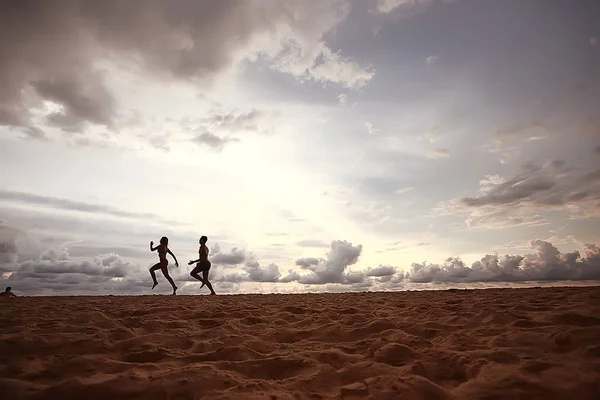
point(320, 145)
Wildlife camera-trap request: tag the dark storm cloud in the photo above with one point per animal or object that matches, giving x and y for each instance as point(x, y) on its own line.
point(82, 101)
point(533, 188)
point(528, 184)
point(50, 49)
point(50, 46)
point(497, 218)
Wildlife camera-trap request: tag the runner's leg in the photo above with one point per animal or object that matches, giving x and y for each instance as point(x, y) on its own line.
point(165, 272)
point(153, 275)
point(207, 282)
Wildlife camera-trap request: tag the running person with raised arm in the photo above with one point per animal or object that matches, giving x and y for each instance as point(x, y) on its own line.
point(203, 265)
point(163, 249)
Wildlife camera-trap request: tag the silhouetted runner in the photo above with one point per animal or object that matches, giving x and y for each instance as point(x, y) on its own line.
point(8, 293)
point(203, 265)
point(162, 264)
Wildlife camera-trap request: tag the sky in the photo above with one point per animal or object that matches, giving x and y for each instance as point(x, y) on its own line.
point(321, 145)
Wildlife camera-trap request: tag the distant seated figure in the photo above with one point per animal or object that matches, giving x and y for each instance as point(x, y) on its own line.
point(8, 293)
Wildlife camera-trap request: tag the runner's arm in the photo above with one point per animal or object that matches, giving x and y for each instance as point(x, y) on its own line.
point(173, 255)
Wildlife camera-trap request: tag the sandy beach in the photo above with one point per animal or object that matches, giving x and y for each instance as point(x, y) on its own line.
point(538, 343)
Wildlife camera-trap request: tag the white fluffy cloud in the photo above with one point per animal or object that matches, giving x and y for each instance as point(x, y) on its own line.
point(546, 264)
point(234, 257)
point(332, 269)
point(55, 271)
point(256, 273)
point(108, 265)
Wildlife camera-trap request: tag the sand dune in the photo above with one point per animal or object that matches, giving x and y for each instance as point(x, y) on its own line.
point(541, 343)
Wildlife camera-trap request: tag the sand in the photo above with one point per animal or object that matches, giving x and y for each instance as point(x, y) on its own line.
point(539, 343)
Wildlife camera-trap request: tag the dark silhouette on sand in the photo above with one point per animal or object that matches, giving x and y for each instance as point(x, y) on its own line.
point(163, 249)
point(8, 293)
point(203, 265)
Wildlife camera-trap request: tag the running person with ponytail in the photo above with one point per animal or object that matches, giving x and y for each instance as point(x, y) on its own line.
point(163, 250)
